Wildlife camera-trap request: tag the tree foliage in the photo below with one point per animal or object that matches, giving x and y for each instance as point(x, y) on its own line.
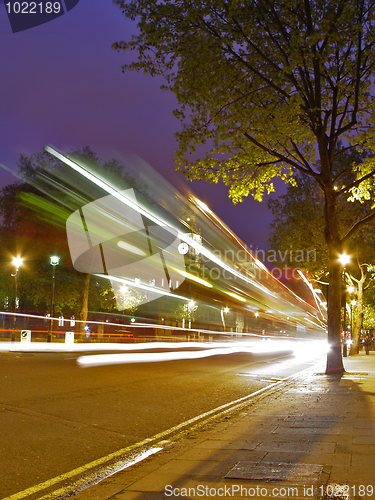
point(297, 224)
point(298, 218)
point(269, 88)
point(261, 81)
point(34, 211)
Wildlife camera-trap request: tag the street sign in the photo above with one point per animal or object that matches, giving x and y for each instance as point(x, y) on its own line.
point(26, 336)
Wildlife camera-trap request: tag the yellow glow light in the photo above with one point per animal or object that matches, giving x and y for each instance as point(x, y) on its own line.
point(193, 278)
point(17, 261)
point(202, 205)
point(235, 296)
point(130, 248)
point(344, 259)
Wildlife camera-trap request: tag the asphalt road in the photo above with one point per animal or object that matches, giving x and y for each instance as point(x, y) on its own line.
point(56, 416)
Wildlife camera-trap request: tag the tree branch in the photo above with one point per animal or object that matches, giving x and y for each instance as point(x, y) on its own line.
point(357, 226)
point(282, 158)
point(355, 183)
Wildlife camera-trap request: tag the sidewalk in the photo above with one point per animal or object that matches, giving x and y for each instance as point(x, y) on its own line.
point(310, 437)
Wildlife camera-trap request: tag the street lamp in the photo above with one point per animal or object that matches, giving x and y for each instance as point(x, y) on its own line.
point(54, 261)
point(344, 259)
point(17, 262)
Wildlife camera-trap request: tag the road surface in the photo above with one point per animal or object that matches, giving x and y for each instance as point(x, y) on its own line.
point(56, 416)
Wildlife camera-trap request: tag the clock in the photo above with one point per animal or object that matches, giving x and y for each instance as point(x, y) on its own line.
point(183, 248)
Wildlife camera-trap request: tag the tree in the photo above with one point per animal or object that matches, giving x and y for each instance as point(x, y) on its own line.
point(34, 213)
point(129, 298)
point(359, 285)
point(34, 227)
point(268, 87)
point(298, 217)
point(297, 221)
point(187, 312)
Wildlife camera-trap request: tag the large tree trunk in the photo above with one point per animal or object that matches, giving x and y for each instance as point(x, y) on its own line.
point(332, 237)
point(334, 355)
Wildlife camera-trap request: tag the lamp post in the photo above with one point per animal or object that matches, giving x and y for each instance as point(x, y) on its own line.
point(17, 262)
point(352, 304)
point(344, 259)
point(224, 311)
point(54, 261)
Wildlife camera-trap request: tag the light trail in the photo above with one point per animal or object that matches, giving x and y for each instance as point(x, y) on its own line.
point(269, 346)
point(135, 326)
point(206, 210)
point(279, 299)
point(157, 220)
point(111, 346)
point(235, 296)
point(142, 286)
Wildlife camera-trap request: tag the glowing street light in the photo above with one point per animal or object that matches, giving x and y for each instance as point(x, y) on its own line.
point(54, 261)
point(344, 259)
point(17, 262)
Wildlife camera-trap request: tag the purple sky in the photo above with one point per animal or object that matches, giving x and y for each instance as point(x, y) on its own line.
point(62, 84)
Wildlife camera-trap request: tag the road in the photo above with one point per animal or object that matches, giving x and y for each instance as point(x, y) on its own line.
point(56, 416)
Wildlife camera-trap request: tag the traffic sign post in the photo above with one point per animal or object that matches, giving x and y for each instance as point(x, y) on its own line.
point(25, 337)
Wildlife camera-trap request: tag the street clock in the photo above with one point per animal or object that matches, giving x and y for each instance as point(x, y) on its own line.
point(183, 248)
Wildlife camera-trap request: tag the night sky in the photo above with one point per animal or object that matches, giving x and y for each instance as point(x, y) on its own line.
point(62, 85)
